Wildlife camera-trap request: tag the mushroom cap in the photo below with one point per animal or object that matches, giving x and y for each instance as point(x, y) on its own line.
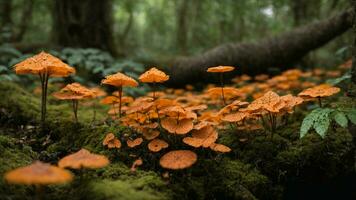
point(178, 159)
point(111, 141)
point(83, 159)
point(38, 173)
point(74, 91)
point(153, 75)
point(323, 90)
point(44, 63)
point(157, 145)
point(220, 69)
point(203, 137)
point(235, 117)
point(98, 92)
point(134, 143)
point(219, 148)
point(291, 101)
point(180, 127)
point(150, 134)
point(119, 80)
point(110, 100)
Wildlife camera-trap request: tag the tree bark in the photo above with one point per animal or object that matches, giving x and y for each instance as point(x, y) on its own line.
point(253, 58)
point(26, 17)
point(182, 26)
point(84, 24)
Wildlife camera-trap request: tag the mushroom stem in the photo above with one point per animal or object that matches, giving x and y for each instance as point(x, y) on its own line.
point(44, 85)
point(222, 88)
point(319, 100)
point(75, 109)
point(38, 192)
point(120, 96)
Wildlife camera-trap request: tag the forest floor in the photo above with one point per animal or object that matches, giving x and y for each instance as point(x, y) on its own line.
point(259, 166)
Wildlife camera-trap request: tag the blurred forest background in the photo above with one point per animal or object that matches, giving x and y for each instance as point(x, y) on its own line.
point(109, 35)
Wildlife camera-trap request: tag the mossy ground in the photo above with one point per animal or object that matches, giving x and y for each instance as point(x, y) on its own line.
point(263, 167)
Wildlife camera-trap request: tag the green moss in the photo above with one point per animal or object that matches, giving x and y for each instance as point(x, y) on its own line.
point(226, 179)
point(13, 156)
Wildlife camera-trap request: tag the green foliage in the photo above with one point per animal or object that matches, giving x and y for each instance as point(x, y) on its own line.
point(94, 64)
point(320, 119)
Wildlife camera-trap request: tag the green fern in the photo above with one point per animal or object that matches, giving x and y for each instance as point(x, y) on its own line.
point(321, 118)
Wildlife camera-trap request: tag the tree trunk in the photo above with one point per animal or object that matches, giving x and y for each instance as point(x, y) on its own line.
point(26, 17)
point(254, 58)
point(182, 26)
point(84, 23)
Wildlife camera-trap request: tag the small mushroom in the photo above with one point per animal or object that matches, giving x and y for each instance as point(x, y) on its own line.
point(320, 91)
point(134, 143)
point(221, 70)
point(178, 159)
point(119, 80)
point(74, 92)
point(111, 141)
point(157, 145)
point(83, 159)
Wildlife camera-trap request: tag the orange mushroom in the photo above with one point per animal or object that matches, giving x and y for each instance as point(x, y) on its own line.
point(74, 92)
point(154, 76)
point(111, 141)
point(219, 148)
point(319, 91)
point(221, 70)
point(45, 65)
point(119, 80)
point(135, 164)
point(178, 159)
point(134, 143)
point(157, 145)
point(202, 138)
point(177, 126)
point(83, 159)
point(38, 173)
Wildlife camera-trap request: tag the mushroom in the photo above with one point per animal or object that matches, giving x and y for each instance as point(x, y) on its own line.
point(319, 91)
point(83, 159)
point(157, 145)
point(134, 143)
point(111, 141)
point(177, 126)
point(135, 164)
point(221, 70)
point(45, 65)
point(154, 76)
point(203, 137)
point(119, 80)
point(178, 159)
point(219, 148)
point(74, 92)
point(38, 174)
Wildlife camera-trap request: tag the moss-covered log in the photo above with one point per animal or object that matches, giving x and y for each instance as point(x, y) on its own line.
point(253, 58)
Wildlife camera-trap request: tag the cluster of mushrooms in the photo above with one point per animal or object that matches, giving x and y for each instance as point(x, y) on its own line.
point(161, 119)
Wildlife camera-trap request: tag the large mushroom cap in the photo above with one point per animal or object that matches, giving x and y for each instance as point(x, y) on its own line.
point(220, 69)
point(153, 75)
point(38, 173)
point(178, 159)
point(44, 63)
point(83, 159)
point(119, 80)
